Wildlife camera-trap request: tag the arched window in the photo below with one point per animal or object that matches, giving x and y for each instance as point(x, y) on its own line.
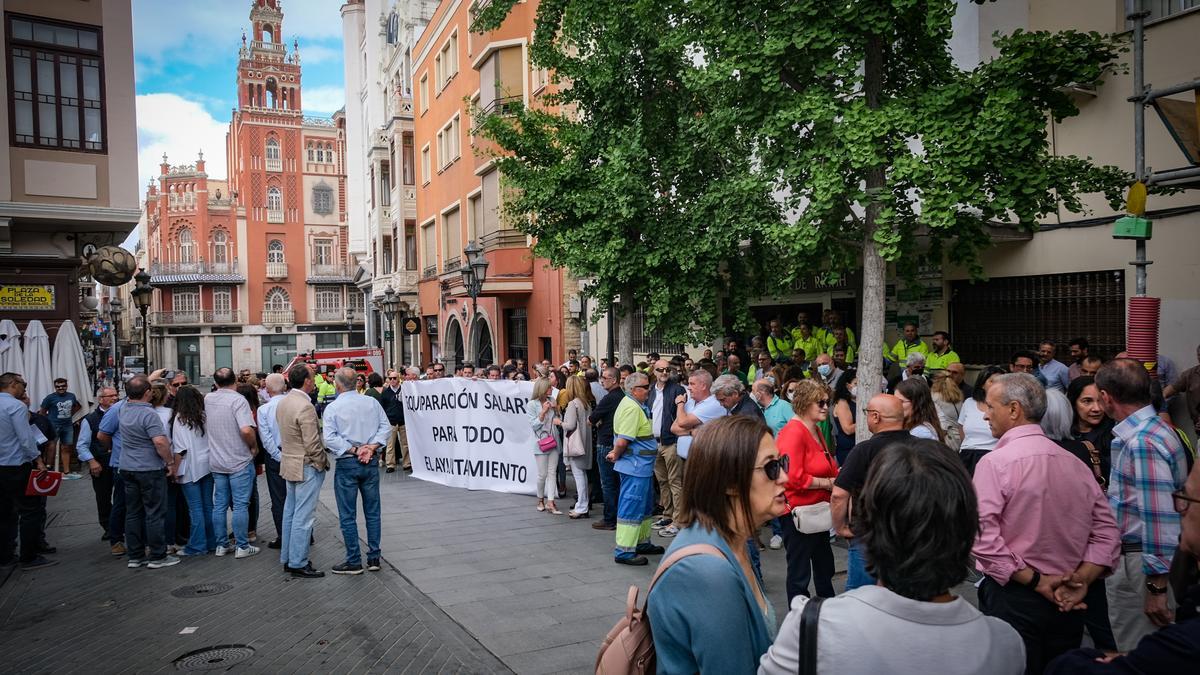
point(275, 251)
point(220, 247)
point(267, 33)
point(310, 151)
point(274, 199)
point(277, 300)
point(272, 149)
point(187, 246)
point(320, 153)
point(272, 92)
point(329, 152)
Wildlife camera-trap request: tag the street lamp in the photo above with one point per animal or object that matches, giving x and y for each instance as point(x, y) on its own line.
point(474, 273)
point(114, 315)
point(390, 304)
point(143, 294)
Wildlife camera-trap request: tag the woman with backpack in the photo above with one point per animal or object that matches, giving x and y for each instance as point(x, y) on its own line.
point(708, 612)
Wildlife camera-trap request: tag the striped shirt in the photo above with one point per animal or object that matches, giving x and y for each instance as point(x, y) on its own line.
point(1150, 466)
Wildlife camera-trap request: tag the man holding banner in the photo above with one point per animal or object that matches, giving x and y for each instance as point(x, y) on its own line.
point(634, 451)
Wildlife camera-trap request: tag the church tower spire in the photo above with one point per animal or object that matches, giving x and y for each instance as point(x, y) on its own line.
point(268, 80)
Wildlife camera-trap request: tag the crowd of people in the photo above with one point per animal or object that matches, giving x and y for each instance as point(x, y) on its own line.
point(1059, 490)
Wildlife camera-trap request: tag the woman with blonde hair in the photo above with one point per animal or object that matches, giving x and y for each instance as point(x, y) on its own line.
point(948, 399)
point(577, 446)
point(810, 481)
point(543, 417)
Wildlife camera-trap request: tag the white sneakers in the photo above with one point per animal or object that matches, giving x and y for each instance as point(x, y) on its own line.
point(221, 550)
point(776, 543)
point(246, 552)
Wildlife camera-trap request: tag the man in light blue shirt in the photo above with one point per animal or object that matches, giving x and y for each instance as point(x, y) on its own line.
point(355, 428)
point(18, 457)
point(775, 410)
point(1052, 373)
point(268, 432)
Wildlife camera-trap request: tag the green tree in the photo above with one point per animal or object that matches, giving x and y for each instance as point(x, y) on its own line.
point(828, 135)
point(626, 190)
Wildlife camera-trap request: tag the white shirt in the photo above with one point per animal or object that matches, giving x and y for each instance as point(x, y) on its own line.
point(977, 435)
point(656, 411)
point(352, 420)
point(193, 445)
point(707, 410)
point(268, 427)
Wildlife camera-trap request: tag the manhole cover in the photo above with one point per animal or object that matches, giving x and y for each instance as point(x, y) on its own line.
point(200, 590)
point(214, 658)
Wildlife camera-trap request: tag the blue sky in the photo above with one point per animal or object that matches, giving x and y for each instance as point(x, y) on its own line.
point(185, 57)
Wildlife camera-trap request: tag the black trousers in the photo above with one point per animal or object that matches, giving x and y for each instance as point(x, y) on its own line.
point(277, 488)
point(1045, 631)
point(809, 558)
point(102, 485)
point(145, 509)
point(19, 514)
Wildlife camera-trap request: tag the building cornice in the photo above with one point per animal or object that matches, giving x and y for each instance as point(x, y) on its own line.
point(69, 212)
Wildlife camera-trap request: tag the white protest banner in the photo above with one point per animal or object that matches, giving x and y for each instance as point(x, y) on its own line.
point(471, 433)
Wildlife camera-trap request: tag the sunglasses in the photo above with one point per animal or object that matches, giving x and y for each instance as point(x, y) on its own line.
point(774, 466)
point(660, 370)
point(176, 385)
point(439, 370)
point(824, 403)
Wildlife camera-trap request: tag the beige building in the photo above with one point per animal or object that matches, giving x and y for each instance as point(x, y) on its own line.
point(68, 160)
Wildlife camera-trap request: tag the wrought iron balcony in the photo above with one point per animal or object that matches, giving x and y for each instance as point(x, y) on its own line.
point(196, 318)
point(165, 274)
point(278, 317)
point(335, 315)
point(336, 273)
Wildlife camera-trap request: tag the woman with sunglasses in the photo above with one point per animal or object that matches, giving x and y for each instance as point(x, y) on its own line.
point(733, 484)
point(810, 481)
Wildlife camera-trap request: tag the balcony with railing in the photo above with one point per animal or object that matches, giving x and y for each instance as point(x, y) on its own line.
point(334, 273)
point(277, 270)
point(274, 215)
point(503, 105)
point(278, 317)
point(165, 274)
point(196, 318)
point(335, 315)
point(429, 272)
point(274, 164)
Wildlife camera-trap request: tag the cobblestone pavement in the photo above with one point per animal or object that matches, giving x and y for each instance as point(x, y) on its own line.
point(92, 614)
point(473, 581)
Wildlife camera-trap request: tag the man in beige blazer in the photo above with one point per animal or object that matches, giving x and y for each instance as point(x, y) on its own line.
point(302, 464)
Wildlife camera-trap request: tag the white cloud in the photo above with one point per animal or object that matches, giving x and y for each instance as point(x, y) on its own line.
point(318, 54)
point(181, 128)
point(325, 99)
point(161, 27)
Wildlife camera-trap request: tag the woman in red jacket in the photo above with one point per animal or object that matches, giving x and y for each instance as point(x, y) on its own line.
point(810, 480)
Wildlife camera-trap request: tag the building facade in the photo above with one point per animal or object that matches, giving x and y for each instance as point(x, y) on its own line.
point(68, 162)
point(521, 310)
point(254, 269)
point(377, 40)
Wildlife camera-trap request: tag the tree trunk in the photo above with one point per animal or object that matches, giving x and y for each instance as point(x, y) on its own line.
point(625, 321)
point(870, 354)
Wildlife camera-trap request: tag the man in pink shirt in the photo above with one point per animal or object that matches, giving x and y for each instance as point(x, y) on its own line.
point(1042, 520)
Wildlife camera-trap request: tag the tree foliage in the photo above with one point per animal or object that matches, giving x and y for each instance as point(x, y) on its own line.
point(725, 147)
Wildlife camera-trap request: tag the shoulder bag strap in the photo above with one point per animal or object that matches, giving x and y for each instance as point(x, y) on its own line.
point(809, 619)
point(685, 552)
point(1094, 455)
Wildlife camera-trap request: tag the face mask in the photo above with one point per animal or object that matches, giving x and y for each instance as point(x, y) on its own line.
point(854, 391)
point(824, 369)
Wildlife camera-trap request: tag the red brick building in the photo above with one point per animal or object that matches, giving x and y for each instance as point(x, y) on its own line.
point(253, 269)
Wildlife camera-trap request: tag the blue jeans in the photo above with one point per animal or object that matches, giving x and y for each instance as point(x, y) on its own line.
point(235, 486)
point(351, 478)
point(610, 484)
point(856, 568)
point(199, 495)
point(116, 517)
point(299, 509)
point(776, 528)
point(146, 503)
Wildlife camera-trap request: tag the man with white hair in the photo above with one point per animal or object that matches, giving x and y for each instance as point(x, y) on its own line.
point(731, 394)
point(355, 429)
point(268, 433)
point(1043, 520)
point(914, 366)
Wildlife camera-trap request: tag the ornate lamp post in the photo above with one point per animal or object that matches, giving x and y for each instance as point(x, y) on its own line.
point(474, 273)
point(389, 305)
point(143, 293)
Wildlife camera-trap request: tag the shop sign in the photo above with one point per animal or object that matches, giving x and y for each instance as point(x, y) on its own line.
point(27, 298)
point(410, 326)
